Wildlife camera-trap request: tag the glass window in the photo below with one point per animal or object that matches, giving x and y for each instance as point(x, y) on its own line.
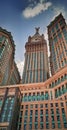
point(62, 104)
point(53, 125)
point(31, 106)
point(59, 125)
point(56, 104)
point(41, 126)
point(65, 125)
point(41, 105)
point(46, 111)
point(24, 126)
point(31, 112)
point(46, 105)
point(30, 126)
point(47, 125)
point(26, 112)
point(41, 112)
point(36, 112)
point(52, 111)
point(30, 119)
point(26, 106)
point(36, 105)
point(51, 104)
point(36, 126)
point(36, 119)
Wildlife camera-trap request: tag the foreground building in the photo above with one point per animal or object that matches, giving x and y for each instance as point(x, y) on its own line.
point(8, 70)
point(32, 105)
point(43, 105)
point(57, 34)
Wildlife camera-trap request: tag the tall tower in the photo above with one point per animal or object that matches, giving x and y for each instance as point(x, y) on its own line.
point(36, 59)
point(57, 33)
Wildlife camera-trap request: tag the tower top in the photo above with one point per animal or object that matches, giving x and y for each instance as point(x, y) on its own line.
point(37, 30)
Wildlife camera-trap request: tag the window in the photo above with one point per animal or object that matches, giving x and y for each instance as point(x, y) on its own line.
point(46, 111)
point(31, 112)
point(62, 104)
point(46, 105)
point(60, 35)
point(41, 112)
point(26, 112)
point(22, 107)
point(58, 118)
point(24, 126)
point(31, 106)
point(56, 104)
point(56, 26)
point(51, 104)
point(47, 119)
point(53, 125)
point(30, 126)
point(36, 112)
point(41, 126)
point(57, 111)
point(63, 111)
point(30, 119)
point(41, 105)
point(26, 106)
point(36, 126)
point(52, 118)
point(36, 119)
point(36, 105)
point(47, 126)
point(59, 125)
point(41, 118)
point(65, 125)
point(52, 111)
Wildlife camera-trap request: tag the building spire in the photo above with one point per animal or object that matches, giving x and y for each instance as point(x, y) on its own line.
point(37, 30)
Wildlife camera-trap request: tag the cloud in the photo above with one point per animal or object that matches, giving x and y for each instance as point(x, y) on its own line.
point(46, 38)
point(20, 66)
point(35, 8)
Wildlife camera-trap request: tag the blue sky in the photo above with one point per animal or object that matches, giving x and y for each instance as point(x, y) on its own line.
point(20, 17)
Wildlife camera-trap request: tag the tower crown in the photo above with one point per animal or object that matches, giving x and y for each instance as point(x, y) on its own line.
point(37, 30)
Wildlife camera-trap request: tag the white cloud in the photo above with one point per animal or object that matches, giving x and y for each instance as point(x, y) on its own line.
point(20, 66)
point(36, 8)
point(46, 38)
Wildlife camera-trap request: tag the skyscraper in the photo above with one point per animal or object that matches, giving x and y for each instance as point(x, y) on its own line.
point(8, 70)
point(57, 33)
point(36, 59)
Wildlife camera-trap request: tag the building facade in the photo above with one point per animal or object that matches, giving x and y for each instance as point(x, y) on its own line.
point(7, 65)
point(57, 34)
point(10, 98)
point(36, 59)
point(44, 105)
point(41, 106)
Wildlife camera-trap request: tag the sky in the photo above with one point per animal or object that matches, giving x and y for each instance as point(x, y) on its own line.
point(20, 17)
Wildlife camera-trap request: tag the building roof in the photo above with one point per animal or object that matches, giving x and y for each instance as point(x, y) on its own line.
point(9, 35)
point(56, 18)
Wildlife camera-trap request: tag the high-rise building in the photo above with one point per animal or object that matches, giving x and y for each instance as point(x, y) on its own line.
point(32, 105)
point(36, 59)
point(8, 70)
point(57, 33)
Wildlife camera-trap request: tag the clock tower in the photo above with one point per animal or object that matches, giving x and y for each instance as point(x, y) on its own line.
point(36, 59)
